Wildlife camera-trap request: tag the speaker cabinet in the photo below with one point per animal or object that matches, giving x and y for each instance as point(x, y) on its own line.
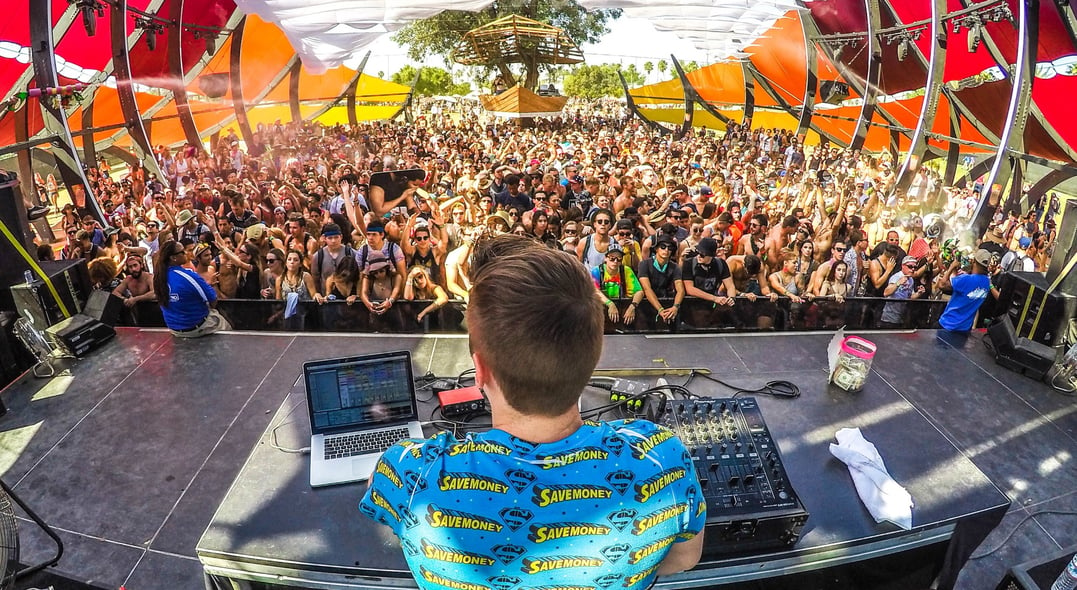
point(35, 302)
point(104, 307)
point(1040, 318)
point(13, 213)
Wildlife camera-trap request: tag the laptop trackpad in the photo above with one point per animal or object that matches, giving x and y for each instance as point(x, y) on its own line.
point(362, 468)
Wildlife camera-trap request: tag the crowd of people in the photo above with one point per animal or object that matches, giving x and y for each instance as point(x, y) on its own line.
point(379, 212)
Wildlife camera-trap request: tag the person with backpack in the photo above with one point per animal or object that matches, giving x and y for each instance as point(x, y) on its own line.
point(326, 258)
point(1019, 260)
point(377, 242)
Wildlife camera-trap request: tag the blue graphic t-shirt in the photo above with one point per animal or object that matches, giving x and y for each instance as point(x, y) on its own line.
point(970, 291)
point(598, 509)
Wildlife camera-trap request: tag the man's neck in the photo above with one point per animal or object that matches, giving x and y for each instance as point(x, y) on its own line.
point(537, 429)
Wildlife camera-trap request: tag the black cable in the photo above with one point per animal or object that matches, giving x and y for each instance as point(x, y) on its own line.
point(1017, 526)
point(777, 388)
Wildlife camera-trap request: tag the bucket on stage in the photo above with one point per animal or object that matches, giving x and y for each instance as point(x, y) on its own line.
point(850, 361)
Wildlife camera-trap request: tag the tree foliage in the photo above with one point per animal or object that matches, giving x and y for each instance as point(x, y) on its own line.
point(438, 34)
point(594, 81)
point(632, 75)
point(432, 81)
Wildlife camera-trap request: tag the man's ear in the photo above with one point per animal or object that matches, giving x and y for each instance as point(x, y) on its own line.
point(482, 372)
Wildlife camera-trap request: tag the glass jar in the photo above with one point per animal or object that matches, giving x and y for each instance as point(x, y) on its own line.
point(854, 363)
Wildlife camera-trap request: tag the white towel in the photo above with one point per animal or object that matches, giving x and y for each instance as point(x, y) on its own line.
point(884, 498)
point(291, 302)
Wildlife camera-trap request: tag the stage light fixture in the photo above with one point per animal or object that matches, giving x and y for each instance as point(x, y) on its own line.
point(975, 37)
point(91, 11)
point(903, 50)
point(150, 29)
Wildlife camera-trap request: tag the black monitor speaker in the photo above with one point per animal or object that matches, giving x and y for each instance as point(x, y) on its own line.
point(36, 302)
point(13, 214)
point(1039, 315)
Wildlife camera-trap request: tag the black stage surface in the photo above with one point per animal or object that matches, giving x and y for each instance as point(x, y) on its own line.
point(131, 453)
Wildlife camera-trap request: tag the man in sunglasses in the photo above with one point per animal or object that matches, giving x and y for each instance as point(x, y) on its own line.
point(901, 286)
point(837, 254)
point(592, 250)
point(660, 278)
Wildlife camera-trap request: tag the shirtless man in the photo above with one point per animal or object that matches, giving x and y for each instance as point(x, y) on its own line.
point(837, 254)
point(777, 238)
point(137, 285)
point(755, 241)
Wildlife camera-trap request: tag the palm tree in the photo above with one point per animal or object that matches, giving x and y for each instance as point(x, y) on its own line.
point(648, 67)
point(662, 66)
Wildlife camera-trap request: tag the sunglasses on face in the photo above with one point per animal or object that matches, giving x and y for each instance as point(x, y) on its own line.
point(665, 246)
point(570, 232)
point(272, 260)
point(840, 249)
point(602, 222)
point(421, 238)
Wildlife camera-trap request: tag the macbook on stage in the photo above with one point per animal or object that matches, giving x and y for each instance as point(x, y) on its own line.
point(359, 406)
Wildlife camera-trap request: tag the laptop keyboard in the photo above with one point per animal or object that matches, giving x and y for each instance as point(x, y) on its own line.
point(360, 443)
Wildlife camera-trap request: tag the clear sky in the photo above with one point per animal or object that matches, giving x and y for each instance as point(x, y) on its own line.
point(629, 41)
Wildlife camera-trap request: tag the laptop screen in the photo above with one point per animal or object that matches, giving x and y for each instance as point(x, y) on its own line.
point(365, 392)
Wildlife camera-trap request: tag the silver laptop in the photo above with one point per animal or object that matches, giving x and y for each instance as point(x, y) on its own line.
point(359, 406)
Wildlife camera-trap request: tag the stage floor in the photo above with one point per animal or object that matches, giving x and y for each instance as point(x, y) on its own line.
point(130, 453)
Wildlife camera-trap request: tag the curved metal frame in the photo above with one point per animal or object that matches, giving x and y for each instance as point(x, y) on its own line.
point(353, 88)
point(811, 83)
point(870, 94)
point(175, 69)
point(691, 96)
point(235, 80)
point(936, 62)
point(121, 69)
point(44, 67)
point(632, 108)
point(1017, 113)
point(293, 91)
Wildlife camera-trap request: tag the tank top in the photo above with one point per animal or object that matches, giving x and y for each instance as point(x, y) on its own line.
point(429, 261)
point(591, 256)
point(339, 295)
point(301, 288)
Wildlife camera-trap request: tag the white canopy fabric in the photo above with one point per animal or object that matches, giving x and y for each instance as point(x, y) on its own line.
point(327, 32)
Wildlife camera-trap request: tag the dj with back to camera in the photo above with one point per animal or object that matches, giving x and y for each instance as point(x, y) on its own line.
point(544, 497)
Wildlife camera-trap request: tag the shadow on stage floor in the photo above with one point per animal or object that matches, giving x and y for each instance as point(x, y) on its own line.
point(129, 453)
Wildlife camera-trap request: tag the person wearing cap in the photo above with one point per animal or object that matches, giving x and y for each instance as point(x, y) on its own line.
point(325, 259)
point(967, 291)
point(97, 235)
point(707, 277)
point(901, 286)
point(1020, 260)
point(660, 277)
point(614, 280)
point(189, 226)
point(994, 241)
point(380, 286)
